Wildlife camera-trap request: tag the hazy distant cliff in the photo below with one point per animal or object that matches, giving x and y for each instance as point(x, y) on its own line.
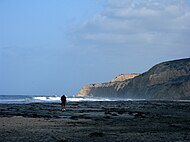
point(124, 77)
point(108, 89)
point(168, 80)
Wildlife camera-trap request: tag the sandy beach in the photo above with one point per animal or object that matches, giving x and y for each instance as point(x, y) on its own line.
point(96, 121)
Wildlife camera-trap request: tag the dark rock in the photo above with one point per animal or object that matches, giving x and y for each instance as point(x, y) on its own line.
point(114, 114)
point(107, 112)
point(74, 117)
point(121, 111)
point(140, 114)
point(96, 134)
point(107, 117)
point(63, 140)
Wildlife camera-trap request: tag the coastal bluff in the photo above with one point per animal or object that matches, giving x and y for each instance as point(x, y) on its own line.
point(108, 89)
point(168, 80)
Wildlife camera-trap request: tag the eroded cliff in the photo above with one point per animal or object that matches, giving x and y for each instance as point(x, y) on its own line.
point(167, 80)
point(108, 89)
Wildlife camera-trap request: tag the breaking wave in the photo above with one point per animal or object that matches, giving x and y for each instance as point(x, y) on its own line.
point(24, 99)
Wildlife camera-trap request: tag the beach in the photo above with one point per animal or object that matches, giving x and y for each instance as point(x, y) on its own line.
point(98, 121)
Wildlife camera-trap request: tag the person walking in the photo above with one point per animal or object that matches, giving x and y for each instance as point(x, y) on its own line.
point(63, 102)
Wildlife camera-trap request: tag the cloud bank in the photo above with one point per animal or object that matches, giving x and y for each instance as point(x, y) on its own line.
point(154, 26)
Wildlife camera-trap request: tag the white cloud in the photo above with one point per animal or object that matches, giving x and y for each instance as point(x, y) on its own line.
point(139, 23)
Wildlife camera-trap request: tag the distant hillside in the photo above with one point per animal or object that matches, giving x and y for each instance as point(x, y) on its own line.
point(167, 80)
point(124, 77)
point(108, 89)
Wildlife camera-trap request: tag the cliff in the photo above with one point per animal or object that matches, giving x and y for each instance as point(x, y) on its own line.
point(124, 77)
point(108, 89)
point(167, 80)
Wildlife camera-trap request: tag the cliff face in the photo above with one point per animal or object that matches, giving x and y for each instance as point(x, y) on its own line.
point(124, 77)
point(168, 80)
point(108, 89)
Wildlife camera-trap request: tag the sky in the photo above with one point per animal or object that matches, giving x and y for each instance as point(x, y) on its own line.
point(55, 47)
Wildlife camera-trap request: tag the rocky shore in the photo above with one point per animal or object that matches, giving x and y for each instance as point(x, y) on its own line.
point(150, 121)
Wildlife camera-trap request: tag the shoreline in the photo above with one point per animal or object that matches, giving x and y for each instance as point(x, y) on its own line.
point(96, 121)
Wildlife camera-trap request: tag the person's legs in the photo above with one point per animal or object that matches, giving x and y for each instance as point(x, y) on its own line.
point(63, 106)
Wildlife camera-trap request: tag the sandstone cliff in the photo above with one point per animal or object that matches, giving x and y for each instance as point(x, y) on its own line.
point(108, 89)
point(124, 77)
point(168, 80)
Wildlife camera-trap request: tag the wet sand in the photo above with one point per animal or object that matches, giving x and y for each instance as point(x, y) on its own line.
point(96, 121)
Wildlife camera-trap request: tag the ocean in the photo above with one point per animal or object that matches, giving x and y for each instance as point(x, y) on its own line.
point(26, 99)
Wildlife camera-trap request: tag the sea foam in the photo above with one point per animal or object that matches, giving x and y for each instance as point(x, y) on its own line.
point(24, 99)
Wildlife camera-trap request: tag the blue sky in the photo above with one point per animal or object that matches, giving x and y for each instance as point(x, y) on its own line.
point(55, 47)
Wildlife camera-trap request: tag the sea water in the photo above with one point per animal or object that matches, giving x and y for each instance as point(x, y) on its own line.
point(25, 99)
